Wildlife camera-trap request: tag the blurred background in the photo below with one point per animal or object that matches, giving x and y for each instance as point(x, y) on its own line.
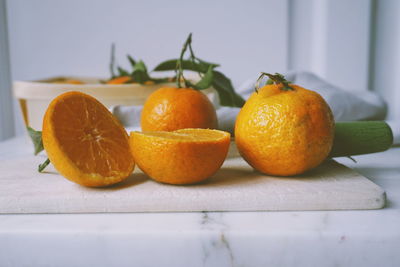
point(352, 44)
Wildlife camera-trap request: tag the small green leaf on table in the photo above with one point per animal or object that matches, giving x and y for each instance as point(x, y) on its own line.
point(36, 137)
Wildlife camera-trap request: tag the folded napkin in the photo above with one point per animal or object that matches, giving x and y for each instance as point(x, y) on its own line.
point(346, 106)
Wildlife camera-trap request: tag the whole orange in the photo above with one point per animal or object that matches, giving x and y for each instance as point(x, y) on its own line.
point(169, 109)
point(284, 130)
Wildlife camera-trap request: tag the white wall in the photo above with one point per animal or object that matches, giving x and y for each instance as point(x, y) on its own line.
point(73, 37)
point(386, 58)
point(6, 108)
point(353, 44)
point(331, 38)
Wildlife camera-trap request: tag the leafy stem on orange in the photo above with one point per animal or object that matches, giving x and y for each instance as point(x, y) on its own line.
point(138, 74)
point(207, 77)
point(206, 70)
point(276, 78)
point(178, 68)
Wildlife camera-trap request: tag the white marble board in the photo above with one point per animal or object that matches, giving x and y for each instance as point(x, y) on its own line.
point(235, 187)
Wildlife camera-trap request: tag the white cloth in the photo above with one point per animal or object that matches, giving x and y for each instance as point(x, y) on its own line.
point(345, 105)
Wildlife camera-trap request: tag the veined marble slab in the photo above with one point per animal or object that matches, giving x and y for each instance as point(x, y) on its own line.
point(235, 187)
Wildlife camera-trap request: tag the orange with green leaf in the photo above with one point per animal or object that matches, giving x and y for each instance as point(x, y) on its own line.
point(169, 109)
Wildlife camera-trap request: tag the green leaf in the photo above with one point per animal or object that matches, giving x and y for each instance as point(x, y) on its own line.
point(225, 90)
point(186, 65)
point(140, 74)
point(206, 64)
point(36, 137)
point(131, 60)
point(122, 72)
point(42, 166)
point(160, 80)
point(206, 81)
point(140, 66)
point(220, 82)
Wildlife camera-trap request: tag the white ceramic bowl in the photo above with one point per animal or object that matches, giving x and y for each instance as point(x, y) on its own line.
point(35, 96)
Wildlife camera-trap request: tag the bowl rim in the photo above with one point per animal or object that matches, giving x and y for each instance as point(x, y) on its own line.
point(42, 89)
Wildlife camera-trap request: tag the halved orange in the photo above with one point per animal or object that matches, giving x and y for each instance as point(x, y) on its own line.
point(85, 142)
point(184, 156)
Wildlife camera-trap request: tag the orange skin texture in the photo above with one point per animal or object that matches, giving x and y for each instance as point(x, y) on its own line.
point(284, 133)
point(176, 161)
point(85, 142)
point(169, 109)
point(120, 80)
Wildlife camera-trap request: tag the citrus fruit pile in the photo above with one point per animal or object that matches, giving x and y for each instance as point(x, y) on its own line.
point(282, 129)
point(89, 146)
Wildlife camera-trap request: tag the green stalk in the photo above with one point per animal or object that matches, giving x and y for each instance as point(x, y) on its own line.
point(276, 78)
point(179, 69)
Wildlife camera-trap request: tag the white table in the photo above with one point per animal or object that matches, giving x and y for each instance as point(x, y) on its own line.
point(335, 238)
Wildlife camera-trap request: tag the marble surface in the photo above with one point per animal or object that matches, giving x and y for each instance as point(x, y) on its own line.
point(313, 238)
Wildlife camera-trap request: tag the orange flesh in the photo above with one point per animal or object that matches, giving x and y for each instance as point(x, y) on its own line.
point(86, 135)
point(184, 156)
point(184, 135)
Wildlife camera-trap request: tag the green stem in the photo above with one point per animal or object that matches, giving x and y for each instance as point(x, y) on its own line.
point(112, 61)
point(276, 78)
point(42, 166)
point(179, 69)
point(179, 65)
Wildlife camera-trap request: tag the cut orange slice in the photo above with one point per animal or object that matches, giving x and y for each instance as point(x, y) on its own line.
point(85, 142)
point(183, 156)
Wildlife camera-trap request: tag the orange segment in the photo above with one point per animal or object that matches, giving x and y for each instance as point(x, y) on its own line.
point(85, 142)
point(184, 156)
